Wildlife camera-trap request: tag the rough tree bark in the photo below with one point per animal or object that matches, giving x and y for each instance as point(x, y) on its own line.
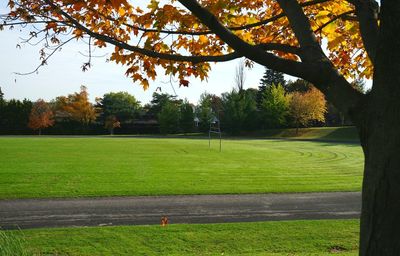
point(380, 138)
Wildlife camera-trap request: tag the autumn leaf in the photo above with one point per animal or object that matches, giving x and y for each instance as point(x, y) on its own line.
point(184, 83)
point(51, 25)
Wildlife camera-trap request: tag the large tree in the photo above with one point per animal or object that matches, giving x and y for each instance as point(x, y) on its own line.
point(238, 107)
point(119, 105)
point(168, 118)
point(158, 101)
point(186, 119)
point(285, 35)
point(76, 107)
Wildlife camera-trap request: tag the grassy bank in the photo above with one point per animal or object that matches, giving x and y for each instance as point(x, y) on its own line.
point(336, 134)
point(70, 167)
point(325, 237)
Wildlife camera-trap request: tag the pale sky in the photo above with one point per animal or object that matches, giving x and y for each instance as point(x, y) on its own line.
point(63, 74)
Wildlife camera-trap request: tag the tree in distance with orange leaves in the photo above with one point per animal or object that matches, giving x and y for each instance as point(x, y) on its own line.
point(307, 106)
point(326, 42)
point(77, 107)
point(41, 116)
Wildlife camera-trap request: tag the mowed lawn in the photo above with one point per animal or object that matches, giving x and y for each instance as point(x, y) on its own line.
point(37, 167)
point(282, 238)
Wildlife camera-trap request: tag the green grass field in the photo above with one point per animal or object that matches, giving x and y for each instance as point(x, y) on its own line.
point(35, 167)
point(323, 237)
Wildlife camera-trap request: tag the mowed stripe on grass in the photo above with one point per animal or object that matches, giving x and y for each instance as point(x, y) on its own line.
point(75, 167)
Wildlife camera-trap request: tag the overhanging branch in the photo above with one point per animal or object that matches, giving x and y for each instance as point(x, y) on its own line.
point(207, 32)
point(367, 12)
point(172, 57)
point(324, 75)
point(254, 53)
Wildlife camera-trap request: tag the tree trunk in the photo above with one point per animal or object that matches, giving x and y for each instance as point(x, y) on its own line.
point(40, 131)
point(380, 138)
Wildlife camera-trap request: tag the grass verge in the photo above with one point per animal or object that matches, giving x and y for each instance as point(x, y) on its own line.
point(12, 244)
point(322, 237)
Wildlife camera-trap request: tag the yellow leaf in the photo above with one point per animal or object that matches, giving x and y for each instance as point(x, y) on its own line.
point(121, 11)
point(203, 39)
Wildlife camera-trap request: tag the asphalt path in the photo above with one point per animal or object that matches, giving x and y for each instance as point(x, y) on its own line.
point(107, 211)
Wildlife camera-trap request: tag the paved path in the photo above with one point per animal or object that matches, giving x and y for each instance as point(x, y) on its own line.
point(34, 213)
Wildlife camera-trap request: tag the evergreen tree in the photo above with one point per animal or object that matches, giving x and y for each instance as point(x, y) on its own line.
point(272, 77)
point(15, 116)
point(269, 78)
point(168, 118)
point(187, 117)
point(158, 101)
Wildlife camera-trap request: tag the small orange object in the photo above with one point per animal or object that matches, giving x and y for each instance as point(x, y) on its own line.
point(164, 221)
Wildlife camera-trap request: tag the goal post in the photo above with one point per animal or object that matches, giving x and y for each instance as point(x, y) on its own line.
point(215, 128)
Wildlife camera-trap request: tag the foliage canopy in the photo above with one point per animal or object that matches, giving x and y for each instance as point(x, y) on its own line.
point(154, 33)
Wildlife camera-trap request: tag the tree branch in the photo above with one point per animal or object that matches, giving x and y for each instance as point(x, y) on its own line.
point(255, 53)
point(280, 47)
point(324, 76)
point(173, 57)
point(147, 52)
point(367, 12)
point(340, 16)
point(207, 32)
point(301, 28)
point(44, 60)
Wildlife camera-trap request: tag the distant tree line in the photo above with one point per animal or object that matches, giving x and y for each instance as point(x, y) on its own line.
point(276, 103)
